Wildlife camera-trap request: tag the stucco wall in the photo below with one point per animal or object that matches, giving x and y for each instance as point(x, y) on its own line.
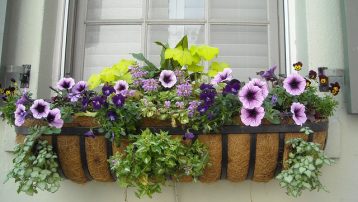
point(324, 39)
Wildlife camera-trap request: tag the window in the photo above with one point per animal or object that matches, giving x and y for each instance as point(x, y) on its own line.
point(247, 32)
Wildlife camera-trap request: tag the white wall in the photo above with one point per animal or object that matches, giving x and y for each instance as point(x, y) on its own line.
point(324, 39)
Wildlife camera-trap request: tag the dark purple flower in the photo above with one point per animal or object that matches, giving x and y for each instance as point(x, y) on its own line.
point(65, 83)
point(167, 78)
point(107, 90)
point(222, 76)
point(298, 113)
point(112, 115)
point(232, 87)
point(252, 117)
point(269, 74)
point(184, 90)
point(189, 135)
point(80, 87)
point(312, 74)
point(97, 102)
point(203, 108)
point(89, 134)
point(262, 85)
point(294, 84)
point(54, 118)
point(40, 109)
point(251, 96)
point(120, 86)
point(208, 93)
point(118, 100)
point(150, 85)
point(20, 115)
point(205, 86)
point(85, 102)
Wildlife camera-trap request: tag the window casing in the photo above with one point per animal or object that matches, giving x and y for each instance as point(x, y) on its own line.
point(249, 33)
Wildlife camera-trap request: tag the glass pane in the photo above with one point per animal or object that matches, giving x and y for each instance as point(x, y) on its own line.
point(245, 48)
point(238, 10)
point(172, 34)
point(176, 9)
point(114, 9)
point(107, 44)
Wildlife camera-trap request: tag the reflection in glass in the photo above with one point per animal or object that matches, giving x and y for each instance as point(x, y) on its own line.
point(176, 9)
point(114, 9)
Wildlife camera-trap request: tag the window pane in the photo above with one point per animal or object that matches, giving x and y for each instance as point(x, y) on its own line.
point(238, 10)
point(176, 9)
point(107, 44)
point(172, 34)
point(114, 9)
point(245, 48)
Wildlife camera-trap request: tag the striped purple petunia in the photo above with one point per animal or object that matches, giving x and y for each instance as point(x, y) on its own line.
point(65, 83)
point(20, 114)
point(262, 85)
point(225, 75)
point(294, 84)
point(251, 96)
point(252, 117)
point(54, 118)
point(167, 78)
point(298, 113)
point(120, 86)
point(40, 109)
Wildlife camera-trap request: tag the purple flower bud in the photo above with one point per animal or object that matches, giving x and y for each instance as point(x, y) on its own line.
point(189, 135)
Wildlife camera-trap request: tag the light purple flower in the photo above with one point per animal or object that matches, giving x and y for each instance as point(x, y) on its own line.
point(222, 76)
point(274, 99)
point(23, 99)
point(120, 86)
point(74, 97)
point(179, 105)
point(20, 114)
point(298, 113)
point(252, 117)
point(167, 78)
point(269, 74)
point(89, 134)
point(189, 135)
point(40, 109)
point(65, 83)
point(128, 93)
point(294, 84)
point(150, 85)
point(137, 72)
point(193, 105)
point(184, 90)
point(262, 85)
point(167, 104)
point(251, 96)
point(54, 118)
point(79, 87)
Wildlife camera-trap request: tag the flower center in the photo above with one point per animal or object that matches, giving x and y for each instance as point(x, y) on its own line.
point(252, 113)
point(121, 87)
point(40, 108)
point(50, 118)
point(294, 84)
point(250, 95)
point(167, 79)
point(66, 84)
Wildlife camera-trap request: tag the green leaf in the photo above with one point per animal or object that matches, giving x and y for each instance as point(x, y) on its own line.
point(183, 43)
point(217, 67)
point(195, 68)
point(140, 57)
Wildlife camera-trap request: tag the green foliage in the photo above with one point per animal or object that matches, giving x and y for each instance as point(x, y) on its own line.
point(35, 164)
point(304, 163)
point(152, 158)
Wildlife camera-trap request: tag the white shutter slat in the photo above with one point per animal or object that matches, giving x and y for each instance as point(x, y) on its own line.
point(114, 9)
point(176, 9)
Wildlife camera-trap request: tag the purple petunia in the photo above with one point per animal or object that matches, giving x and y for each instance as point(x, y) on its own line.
point(208, 93)
point(251, 96)
point(167, 78)
point(150, 85)
point(40, 109)
point(203, 108)
point(262, 85)
point(54, 118)
point(294, 84)
point(65, 83)
point(97, 102)
point(298, 113)
point(112, 115)
point(118, 100)
point(184, 90)
point(80, 87)
point(222, 76)
point(120, 86)
point(107, 90)
point(20, 115)
point(232, 87)
point(269, 74)
point(252, 117)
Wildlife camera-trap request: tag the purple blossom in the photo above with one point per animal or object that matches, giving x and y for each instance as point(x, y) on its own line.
point(118, 100)
point(203, 108)
point(222, 76)
point(232, 87)
point(137, 72)
point(120, 86)
point(128, 93)
point(167, 104)
point(20, 115)
point(112, 115)
point(40, 109)
point(23, 99)
point(54, 118)
point(97, 102)
point(167, 78)
point(251, 96)
point(179, 105)
point(189, 135)
point(65, 83)
point(294, 84)
point(74, 97)
point(269, 74)
point(80, 87)
point(89, 134)
point(107, 90)
point(150, 85)
point(252, 117)
point(274, 99)
point(208, 93)
point(298, 113)
point(193, 105)
point(184, 90)
point(205, 86)
point(262, 85)
point(85, 102)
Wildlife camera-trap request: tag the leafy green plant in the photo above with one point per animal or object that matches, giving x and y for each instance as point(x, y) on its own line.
point(35, 164)
point(153, 158)
point(304, 163)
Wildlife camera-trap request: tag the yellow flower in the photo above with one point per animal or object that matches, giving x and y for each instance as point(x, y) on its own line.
point(297, 66)
point(94, 81)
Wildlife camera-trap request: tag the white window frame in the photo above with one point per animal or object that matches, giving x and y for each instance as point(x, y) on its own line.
point(77, 23)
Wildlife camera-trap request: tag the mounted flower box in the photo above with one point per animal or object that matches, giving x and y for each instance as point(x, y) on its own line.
point(140, 125)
